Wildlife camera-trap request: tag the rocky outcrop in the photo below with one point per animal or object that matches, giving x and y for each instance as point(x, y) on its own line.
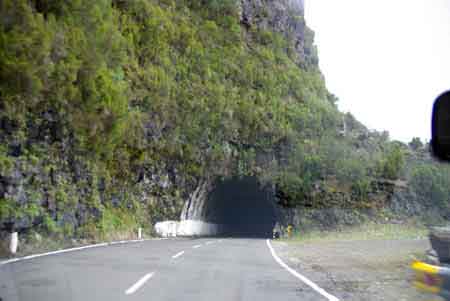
point(57, 192)
point(48, 181)
point(285, 17)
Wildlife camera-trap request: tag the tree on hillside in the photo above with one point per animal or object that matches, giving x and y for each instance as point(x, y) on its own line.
point(392, 164)
point(415, 143)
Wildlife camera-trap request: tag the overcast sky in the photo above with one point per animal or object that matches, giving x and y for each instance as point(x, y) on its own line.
point(386, 60)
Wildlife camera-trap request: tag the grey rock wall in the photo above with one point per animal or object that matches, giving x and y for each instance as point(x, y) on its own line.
point(285, 17)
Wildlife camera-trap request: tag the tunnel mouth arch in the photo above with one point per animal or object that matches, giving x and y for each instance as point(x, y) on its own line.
point(241, 207)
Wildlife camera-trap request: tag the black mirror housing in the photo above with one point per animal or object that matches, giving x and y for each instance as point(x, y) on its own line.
point(440, 128)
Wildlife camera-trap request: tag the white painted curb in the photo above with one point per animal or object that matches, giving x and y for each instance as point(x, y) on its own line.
point(105, 244)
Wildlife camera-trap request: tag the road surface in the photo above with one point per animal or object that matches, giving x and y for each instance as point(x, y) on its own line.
point(174, 269)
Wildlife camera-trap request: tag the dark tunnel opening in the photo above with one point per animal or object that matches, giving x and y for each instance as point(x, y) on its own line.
point(242, 208)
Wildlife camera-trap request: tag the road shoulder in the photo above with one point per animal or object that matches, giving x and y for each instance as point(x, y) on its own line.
point(357, 270)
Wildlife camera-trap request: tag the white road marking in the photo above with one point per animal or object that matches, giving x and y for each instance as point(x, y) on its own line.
point(138, 284)
point(74, 249)
point(220, 240)
point(196, 246)
point(299, 276)
point(178, 255)
point(209, 242)
point(52, 253)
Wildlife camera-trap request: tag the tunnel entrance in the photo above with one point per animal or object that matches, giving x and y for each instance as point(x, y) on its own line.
point(242, 208)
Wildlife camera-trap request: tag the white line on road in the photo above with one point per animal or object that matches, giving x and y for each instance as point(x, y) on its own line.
point(53, 253)
point(178, 255)
point(138, 284)
point(209, 242)
point(196, 246)
point(299, 276)
point(75, 249)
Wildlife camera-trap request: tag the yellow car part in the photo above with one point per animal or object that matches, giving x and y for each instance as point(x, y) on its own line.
point(427, 277)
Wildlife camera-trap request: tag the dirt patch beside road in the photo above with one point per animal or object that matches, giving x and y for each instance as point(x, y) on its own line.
point(358, 269)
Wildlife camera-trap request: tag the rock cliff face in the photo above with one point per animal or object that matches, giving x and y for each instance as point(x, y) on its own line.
point(47, 180)
point(285, 17)
point(67, 193)
point(119, 114)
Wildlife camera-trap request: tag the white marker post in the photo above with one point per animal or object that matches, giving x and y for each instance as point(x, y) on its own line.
point(13, 243)
point(140, 233)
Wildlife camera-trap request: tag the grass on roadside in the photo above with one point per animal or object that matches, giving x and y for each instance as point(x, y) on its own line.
point(367, 231)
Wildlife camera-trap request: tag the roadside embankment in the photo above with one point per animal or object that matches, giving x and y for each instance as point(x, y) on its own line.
point(360, 264)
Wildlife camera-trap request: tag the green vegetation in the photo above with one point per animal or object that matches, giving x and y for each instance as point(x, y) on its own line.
point(368, 231)
point(391, 166)
point(431, 184)
point(98, 96)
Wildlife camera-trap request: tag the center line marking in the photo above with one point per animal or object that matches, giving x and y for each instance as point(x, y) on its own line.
point(305, 280)
point(209, 242)
point(138, 284)
point(178, 255)
point(196, 246)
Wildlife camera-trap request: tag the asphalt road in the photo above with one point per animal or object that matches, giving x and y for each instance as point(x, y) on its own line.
point(174, 269)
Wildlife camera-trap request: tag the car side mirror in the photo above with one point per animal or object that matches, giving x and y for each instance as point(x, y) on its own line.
point(440, 128)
